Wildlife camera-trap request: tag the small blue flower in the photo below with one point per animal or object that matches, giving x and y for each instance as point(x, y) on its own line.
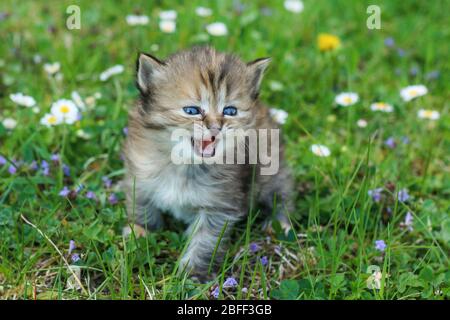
point(403, 195)
point(12, 169)
point(409, 220)
point(230, 282)
point(389, 42)
point(254, 247)
point(390, 143)
point(2, 161)
point(401, 53)
point(432, 75)
point(90, 195)
point(113, 199)
point(66, 170)
point(107, 182)
point(125, 131)
point(34, 165)
point(54, 157)
point(75, 257)
point(215, 293)
point(64, 192)
point(72, 246)
point(380, 245)
point(375, 194)
point(264, 260)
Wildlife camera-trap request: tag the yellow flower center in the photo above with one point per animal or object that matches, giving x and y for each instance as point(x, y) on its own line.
point(428, 113)
point(52, 119)
point(64, 109)
point(413, 92)
point(347, 100)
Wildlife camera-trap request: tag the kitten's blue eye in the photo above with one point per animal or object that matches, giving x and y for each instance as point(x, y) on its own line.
point(229, 111)
point(192, 110)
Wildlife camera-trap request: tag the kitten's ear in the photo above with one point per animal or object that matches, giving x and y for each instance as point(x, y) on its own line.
point(256, 71)
point(146, 66)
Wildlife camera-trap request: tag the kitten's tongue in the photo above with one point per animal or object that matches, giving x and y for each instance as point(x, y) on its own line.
point(207, 148)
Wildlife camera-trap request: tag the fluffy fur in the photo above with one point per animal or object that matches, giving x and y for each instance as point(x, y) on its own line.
point(210, 198)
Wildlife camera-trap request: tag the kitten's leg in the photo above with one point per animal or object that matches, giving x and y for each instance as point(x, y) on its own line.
point(142, 215)
point(278, 189)
point(204, 234)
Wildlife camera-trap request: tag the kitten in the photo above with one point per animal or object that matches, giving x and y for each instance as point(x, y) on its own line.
point(205, 94)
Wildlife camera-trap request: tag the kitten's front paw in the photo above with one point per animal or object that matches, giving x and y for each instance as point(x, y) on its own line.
point(134, 228)
point(284, 223)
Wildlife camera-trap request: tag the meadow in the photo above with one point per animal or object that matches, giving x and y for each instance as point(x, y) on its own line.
point(369, 153)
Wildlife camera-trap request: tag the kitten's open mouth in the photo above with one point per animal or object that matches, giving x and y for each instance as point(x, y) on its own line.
point(204, 148)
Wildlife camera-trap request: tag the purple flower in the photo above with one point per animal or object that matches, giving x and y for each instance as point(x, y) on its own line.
point(389, 42)
point(75, 257)
point(12, 169)
point(414, 71)
point(34, 165)
point(401, 53)
point(107, 182)
point(405, 140)
point(90, 195)
point(2, 160)
point(66, 170)
point(125, 131)
point(64, 192)
point(380, 245)
point(403, 195)
point(54, 157)
point(264, 261)
point(113, 199)
point(409, 220)
point(230, 282)
point(215, 293)
point(375, 194)
point(432, 75)
point(72, 246)
point(390, 143)
point(254, 247)
point(45, 168)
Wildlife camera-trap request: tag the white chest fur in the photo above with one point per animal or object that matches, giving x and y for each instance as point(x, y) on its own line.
point(180, 190)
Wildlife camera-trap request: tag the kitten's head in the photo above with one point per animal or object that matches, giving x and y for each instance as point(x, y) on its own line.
point(203, 89)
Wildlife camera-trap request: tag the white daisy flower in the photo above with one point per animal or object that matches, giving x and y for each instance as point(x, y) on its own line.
point(412, 92)
point(203, 11)
point(78, 100)
point(49, 120)
point(278, 115)
point(137, 20)
point(168, 15)
point(36, 109)
point(65, 110)
point(381, 106)
point(217, 29)
point(346, 99)
point(167, 26)
point(428, 114)
point(295, 6)
point(117, 69)
point(320, 150)
point(22, 99)
point(9, 123)
point(52, 68)
point(361, 123)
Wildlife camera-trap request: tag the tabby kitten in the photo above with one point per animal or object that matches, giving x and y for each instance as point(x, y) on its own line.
point(211, 93)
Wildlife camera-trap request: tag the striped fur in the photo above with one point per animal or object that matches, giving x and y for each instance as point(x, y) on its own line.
point(206, 197)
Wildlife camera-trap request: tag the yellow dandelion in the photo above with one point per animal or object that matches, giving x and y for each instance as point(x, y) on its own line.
point(328, 42)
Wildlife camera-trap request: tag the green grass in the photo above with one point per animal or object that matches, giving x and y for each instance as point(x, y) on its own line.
point(335, 222)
